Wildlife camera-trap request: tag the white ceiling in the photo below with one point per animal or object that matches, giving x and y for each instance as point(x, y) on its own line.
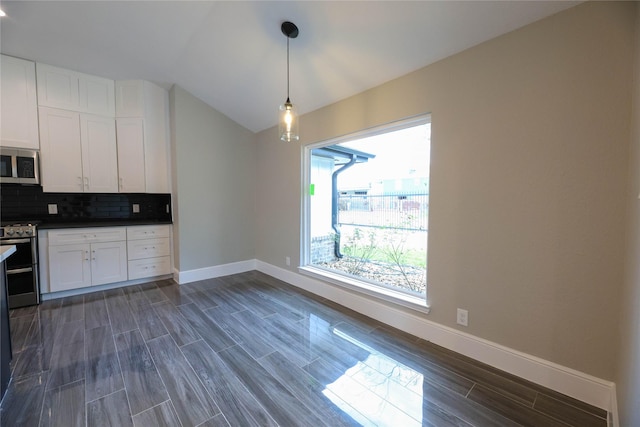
point(232, 55)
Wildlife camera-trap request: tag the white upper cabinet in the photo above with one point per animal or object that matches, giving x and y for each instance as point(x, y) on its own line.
point(99, 154)
point(60, 151)
point(129, 98)
point(58, 88)
point(19, 108)
point(97, 95)
point(70, 90)
point(130, 136)
point(145, 100)
point(78, 152)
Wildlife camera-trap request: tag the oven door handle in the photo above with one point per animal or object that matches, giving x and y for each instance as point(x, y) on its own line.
point(14, 241)
point(19, 270)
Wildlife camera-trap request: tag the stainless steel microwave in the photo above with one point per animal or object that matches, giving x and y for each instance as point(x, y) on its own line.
point(19, 166)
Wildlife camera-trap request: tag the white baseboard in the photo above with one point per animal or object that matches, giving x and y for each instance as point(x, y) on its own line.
point(581, 386)
point(46, 296)
point(189, 276)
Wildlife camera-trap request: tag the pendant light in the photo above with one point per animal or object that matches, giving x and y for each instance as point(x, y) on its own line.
point(288, 123)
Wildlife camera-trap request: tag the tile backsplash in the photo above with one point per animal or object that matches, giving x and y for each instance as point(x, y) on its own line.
point(30, 203)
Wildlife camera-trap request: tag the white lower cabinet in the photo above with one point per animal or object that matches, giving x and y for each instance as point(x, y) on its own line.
point(69, 267)
point(83, 257)
point(87, 257)
point(108, 262)
point(149, 251)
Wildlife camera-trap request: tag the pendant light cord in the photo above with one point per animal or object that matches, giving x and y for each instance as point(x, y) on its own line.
point(287, 68)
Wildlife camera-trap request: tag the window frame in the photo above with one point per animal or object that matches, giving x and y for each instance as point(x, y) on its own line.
point(345, 281)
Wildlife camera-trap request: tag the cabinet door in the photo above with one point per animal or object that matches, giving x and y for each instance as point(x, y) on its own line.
point(69, 267)
point(60, 150)
point(108, 262)
point(99, 154)
point(156, 146)
point(97, 95)
point(19, 104)
point(130, 136)
point(129, 98)
point(58, 88)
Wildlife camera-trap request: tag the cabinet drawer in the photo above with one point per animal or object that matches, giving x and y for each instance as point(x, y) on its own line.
point(87, 235)
point(147, 231)
point(148, 248)
point(149, 267)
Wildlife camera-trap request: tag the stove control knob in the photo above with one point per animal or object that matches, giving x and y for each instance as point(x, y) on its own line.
point(28, 232)
point(10, 232)
point(20, 232)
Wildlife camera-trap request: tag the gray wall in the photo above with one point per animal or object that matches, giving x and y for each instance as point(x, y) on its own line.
point(530, 145)
point(214, 163)
point(628, 361)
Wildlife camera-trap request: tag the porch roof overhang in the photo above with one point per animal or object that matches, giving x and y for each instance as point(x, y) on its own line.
point(342, 155)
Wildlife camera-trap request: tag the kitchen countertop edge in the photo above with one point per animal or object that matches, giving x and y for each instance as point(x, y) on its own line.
point(90, 224)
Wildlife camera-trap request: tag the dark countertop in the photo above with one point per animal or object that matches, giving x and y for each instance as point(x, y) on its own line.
point(87, 224)
point(5, 252)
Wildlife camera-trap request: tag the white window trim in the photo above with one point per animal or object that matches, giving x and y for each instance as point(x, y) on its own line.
point(379, 292)
point(361, 286)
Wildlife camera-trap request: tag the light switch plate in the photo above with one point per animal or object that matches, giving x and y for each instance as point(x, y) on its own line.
point(136, 208)
point(53, 209)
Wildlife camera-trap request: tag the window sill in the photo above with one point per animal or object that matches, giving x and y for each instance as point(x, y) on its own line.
point(384, 294)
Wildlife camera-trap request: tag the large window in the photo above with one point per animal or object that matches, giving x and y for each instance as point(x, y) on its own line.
point(366, 211)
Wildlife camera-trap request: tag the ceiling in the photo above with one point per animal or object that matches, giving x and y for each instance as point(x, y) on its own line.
point(232, 55)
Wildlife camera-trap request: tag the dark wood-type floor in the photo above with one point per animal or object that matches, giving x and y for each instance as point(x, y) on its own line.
point(248, 350)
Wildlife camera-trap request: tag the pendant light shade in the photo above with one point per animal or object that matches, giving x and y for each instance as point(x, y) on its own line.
point(288, 120)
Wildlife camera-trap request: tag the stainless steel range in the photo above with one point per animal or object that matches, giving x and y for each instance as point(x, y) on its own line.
point(23, 287)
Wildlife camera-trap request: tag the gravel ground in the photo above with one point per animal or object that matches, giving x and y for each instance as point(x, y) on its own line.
point(388, 274)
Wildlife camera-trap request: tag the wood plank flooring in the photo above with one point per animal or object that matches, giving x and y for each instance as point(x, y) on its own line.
point(249, 350)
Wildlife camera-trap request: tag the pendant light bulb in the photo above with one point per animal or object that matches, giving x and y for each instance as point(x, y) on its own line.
point(288, 120)
point(288, 123)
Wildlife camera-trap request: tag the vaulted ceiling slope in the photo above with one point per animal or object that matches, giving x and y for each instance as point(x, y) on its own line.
point(232, 55)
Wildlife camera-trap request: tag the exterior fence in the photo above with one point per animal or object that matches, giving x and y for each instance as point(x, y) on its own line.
point(406, 211)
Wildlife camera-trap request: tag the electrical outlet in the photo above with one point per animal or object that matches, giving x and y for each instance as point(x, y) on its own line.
point(287, 260)
point(136, 208)
point(463, 317)
point(53, 209)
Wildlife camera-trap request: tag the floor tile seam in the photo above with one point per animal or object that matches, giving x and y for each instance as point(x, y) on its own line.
point(365, 387)
point(264, 391)
point(544, 414)
point(597, 417)
point(240, 383)
point(434, 367)
point(197, 377)
point(57, 388)
point(470, 376)
point(206, 421)
point(103, 396)
point(31, 325)
point(507, 395)
point(122, 371)
point(466, 396)
point(124, 384)
point(205, 341)
point(518, 381)
point(44, 395)
point(83, 362)
point(148, 409)
point(345, 403)
point(574, 406)
point(387, 400)
point(18, 317)
point(27, 375)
